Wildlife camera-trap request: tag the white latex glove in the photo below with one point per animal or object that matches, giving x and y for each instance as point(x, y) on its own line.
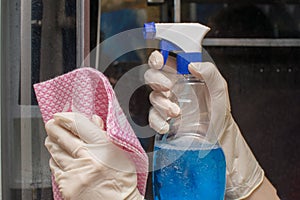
point(85, 163)
point(243, 173)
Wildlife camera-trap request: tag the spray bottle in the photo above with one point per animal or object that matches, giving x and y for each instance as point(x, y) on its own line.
point(188, 161)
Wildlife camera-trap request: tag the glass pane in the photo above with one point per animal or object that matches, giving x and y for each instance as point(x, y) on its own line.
point(263, 81)
point(263, 75)
point(245, 20)
point(39, 44)
point(264, 92)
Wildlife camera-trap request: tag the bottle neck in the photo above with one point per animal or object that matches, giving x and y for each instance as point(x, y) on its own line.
point(200, 90)
point(191, 95)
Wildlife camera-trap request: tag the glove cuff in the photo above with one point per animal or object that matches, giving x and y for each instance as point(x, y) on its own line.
point(245, 189)
point(259, 179)
point(243, 172)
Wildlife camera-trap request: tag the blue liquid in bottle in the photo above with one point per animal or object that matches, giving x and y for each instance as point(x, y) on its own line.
point(195, 174)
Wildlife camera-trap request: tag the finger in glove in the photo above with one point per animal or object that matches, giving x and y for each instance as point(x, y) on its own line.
point(64, 138)
point(81, 126)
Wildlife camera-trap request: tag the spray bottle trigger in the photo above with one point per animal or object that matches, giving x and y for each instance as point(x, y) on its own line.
point(184, 59)
point(167, 47)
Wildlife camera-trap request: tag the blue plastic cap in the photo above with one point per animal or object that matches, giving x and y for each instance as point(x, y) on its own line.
point(149, 30)
point(184, 59)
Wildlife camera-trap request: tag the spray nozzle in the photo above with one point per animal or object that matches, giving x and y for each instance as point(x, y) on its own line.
point(182, 38)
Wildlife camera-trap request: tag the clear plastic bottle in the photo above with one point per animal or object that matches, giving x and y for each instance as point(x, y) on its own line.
point(188, 164)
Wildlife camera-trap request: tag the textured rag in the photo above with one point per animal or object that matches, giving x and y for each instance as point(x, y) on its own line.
point(88, 91)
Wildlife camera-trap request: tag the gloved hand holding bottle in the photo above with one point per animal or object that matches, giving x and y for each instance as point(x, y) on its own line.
point(244, 177)
point(85, 163)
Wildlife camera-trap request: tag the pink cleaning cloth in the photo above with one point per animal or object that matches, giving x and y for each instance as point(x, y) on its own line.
point(88, 91)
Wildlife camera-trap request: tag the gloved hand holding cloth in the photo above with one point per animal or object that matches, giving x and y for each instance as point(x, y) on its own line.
point(95, 153)
point(85, 163)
